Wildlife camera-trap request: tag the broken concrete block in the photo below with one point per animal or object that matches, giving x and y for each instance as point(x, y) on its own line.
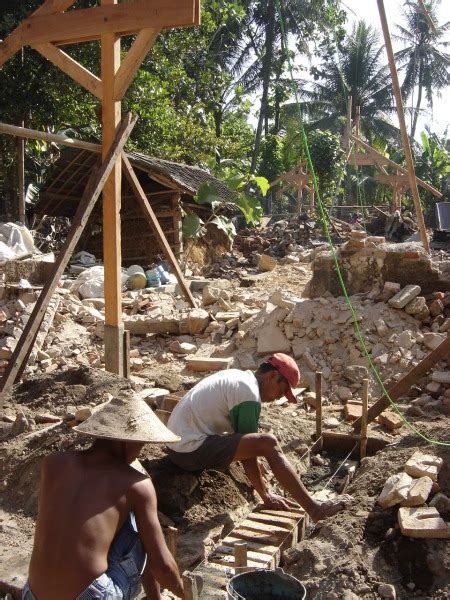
point(182, 348)
point(418, 492)
point(210, 295)
point(433, 387)
point(395, 490)
point(20, 424)
point(441, 377)
point(198, 321)
point(405, 295)
point(416, 306)
point(390, 419)
point(355, 373)
point(353, 411)
point(278, 299)
point(421, 464)
point(405, 340)
point(436, 308)
point(271, 339)
point(344, 393)
point(267, 263)
point(432, 340)
point(227, 316)
point(46, 418)
point(387, 591)
point(391, 287)
point(422, 522)
point(208, 364)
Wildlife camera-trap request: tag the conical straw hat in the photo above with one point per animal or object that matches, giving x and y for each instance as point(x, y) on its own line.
point(127, 419)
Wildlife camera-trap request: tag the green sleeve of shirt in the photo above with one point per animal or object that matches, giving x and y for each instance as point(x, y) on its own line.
point(245, 416)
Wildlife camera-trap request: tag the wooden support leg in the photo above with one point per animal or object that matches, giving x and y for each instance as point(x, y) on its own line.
point(153, 221)
point(240, 557)
point(172, 540)
point(365, 403)
point(319, 441)
point(190, 586)
point(87, 203)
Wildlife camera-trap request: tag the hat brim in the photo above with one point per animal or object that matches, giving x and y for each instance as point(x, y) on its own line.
point(290, 395)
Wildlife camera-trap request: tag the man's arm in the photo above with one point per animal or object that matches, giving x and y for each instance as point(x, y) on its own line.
point(160, 561)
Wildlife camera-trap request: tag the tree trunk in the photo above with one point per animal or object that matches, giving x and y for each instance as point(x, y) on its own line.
point(419, 102)
point(266, 70)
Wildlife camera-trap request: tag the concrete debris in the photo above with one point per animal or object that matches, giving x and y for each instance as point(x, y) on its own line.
point(422, 522)
point(418, 492)
point(395, 490)
point(421, 465)
point(405, 296)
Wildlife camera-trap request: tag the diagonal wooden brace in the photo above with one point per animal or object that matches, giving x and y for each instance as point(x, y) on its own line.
point(153, 221)
point(402, 387)
point(91, 194)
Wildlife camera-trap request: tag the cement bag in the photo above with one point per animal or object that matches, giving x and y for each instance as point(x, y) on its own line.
point(18, 238)
point(6, 253)
point(90, 283)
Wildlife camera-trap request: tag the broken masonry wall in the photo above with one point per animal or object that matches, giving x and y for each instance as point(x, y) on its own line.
point(368, 267)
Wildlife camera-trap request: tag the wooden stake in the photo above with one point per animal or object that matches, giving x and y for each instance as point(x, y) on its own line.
point(319, 441)
point(190, 586)
point(404, 133)
point(126, 354)
point(240, 557)
point(91, 194)
point(172, 540)
point(20, 145)
point(365, 402)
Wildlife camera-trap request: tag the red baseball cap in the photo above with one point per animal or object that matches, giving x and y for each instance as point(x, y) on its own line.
point(287, 367)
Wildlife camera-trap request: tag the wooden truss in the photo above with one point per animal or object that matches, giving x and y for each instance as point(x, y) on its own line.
point(299, 179)
point(50, 27)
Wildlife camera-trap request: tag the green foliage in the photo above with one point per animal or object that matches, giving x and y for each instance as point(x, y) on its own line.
point(328, 160)
point(433, 166)
point(272, 164)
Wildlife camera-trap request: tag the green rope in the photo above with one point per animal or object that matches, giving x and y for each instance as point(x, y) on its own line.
point(324, 219)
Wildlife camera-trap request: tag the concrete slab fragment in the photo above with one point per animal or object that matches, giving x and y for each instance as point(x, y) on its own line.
point(422, 522)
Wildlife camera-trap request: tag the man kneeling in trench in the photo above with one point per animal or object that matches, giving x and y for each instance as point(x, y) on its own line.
point(217, 422)
point(97, 533)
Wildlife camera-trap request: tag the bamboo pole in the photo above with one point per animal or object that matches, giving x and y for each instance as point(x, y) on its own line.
point(365, 408)
point(319, 441)
point(33, 134)
point(404, 133)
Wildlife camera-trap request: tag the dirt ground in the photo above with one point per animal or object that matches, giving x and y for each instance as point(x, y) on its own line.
point(347, 556)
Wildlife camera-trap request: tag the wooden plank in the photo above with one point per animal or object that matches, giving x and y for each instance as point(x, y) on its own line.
point(208, 364)
point(293, 513)
point(253, 536)
point(279, 532)
point(33, 134)
point(132, 61)
point(229, 551)
point(53, 6)
point(87, 203)
point(255, 545)
point(91, 23)
point(402, 387)
point(153, 221)
point(71, 67)
point(283, 522)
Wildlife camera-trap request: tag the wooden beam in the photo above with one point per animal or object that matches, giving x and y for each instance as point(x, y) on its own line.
point(53, 6)
point(90, 196)
point(391, 163)
point(71, 67)
point(424, 11)
point(403, 130)
point(119, 19)
point(112, 250)
point(33, 134)
point(131, 63)
point(151, 218)
point(402, 387)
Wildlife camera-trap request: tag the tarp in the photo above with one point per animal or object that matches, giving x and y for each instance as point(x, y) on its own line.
point(443, 216)
point(16, 241)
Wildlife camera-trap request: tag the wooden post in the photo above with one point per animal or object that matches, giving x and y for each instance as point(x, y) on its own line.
point(112, 255)
point(177, 224)
point(404, 133)
point(20, 145)
point(172, 541)
point(358, 120)
point(348, 126)
point(319, 441)
point(365, 406)
point(190, 586)
point(126, 354)
point(240, 557)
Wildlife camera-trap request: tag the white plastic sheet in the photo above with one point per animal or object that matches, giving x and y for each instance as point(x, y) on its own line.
point(16, 241)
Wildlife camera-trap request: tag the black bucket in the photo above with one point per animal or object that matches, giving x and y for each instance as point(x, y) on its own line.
point(265, 585)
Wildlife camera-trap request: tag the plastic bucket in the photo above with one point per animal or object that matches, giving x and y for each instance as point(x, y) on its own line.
point(137, 281)
point(265, 585)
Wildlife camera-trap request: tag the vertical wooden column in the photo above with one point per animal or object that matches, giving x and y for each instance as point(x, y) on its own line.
point(20, 147)
point(177, 224)
point(365, 408)
point(401, 118)
point(112, 256)
point(319, 440)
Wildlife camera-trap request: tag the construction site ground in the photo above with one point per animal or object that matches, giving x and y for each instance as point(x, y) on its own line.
point(348, 556)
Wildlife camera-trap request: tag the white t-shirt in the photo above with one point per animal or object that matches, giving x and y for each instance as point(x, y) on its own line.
point(225, 402)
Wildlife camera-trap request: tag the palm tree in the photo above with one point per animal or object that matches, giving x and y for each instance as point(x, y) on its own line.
point(424, 61)
point(357, 71)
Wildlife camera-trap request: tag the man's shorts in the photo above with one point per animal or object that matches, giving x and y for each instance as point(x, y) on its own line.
point(216, 452)
point(126, 562)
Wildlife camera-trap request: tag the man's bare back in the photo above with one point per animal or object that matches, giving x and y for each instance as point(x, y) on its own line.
point(85, 498)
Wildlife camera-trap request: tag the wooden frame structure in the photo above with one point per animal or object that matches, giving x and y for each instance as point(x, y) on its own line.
point(50, 27)
point(297, 178)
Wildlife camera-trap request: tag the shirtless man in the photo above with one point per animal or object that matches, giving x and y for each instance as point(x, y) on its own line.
point(217, 422)
point(97, 534)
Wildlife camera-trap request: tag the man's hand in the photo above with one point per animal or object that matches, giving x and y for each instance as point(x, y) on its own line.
point(278, 502)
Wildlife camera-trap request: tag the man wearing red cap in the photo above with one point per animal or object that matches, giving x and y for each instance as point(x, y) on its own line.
point(217, 421)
